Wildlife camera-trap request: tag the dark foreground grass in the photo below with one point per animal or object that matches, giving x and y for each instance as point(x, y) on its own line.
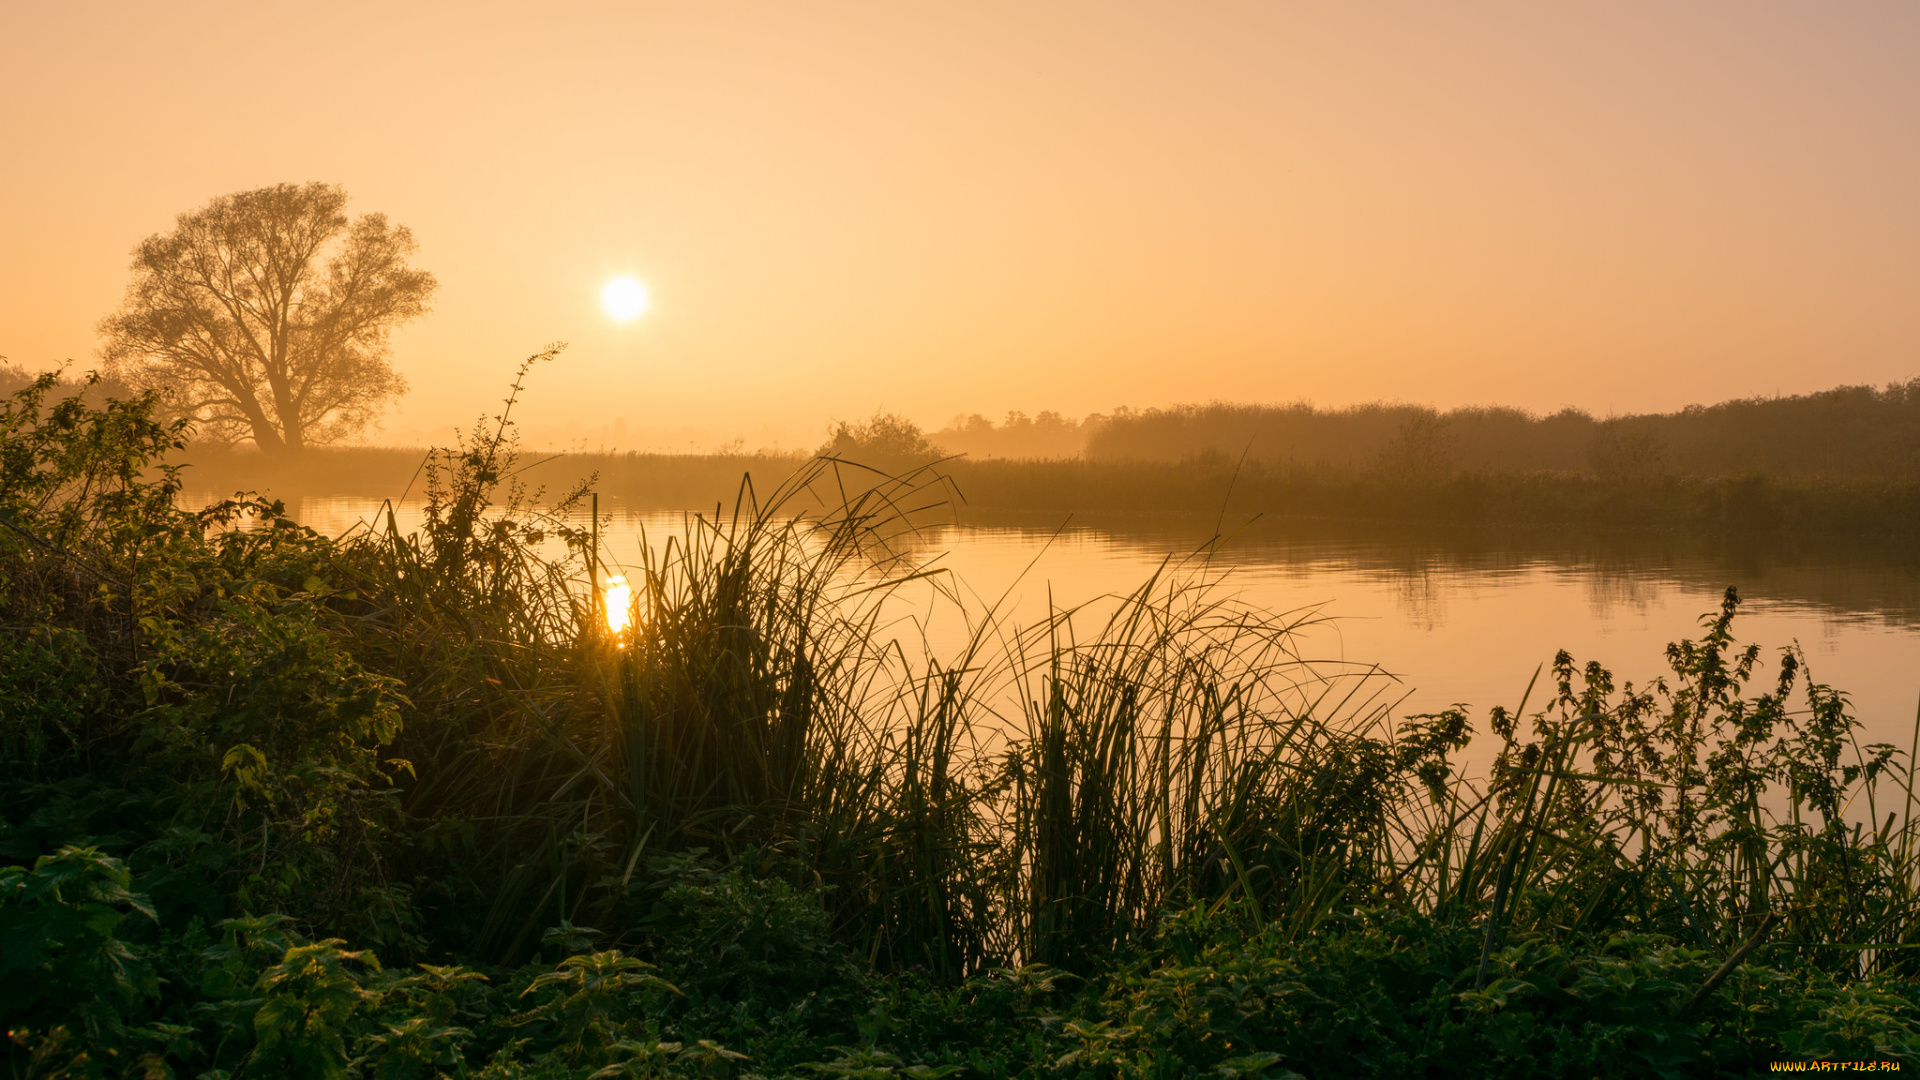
point(398, 805)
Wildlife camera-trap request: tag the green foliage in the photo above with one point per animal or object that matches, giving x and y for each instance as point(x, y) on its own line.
point(580, 999)
point(1858, 1022)
point(309, 1000)
point(724, 934)
point(1157, 845)
point(49, 691)
point(183, 695)
point(64, 960)
point(422, 1016)
point(261, 704)
point(72, 473)
point(1391, 995)
point(862, 1063)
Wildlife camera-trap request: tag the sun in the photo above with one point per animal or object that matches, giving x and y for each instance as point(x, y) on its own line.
point(619, 601)
point(625, 299)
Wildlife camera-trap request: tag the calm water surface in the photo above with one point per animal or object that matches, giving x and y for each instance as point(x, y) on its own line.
point(1454, 618)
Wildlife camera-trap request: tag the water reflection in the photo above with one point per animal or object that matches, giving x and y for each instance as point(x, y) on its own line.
point(1612, 593)
point(1457, 617)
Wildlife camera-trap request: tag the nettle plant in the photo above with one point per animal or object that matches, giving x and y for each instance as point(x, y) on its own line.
point(1722, 802)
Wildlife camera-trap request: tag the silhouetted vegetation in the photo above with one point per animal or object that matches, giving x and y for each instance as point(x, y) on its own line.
point(92, 388)
point(1043, 436)
point(1849, 432)
point(264, 316)
point(1840, 464)
point(400, 805)
point(1754, 506)
point(885, 441)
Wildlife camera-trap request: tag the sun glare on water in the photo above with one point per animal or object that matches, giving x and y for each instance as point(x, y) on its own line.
point(619, 603)
point(625, 299)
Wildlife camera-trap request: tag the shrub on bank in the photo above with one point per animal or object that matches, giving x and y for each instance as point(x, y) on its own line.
point(1380, 994)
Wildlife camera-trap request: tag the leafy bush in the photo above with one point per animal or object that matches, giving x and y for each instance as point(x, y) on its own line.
point(725, 934)
point(64, 961)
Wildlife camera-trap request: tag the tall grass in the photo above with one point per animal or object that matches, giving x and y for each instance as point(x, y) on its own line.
point(486, 765)
point(1049, 793)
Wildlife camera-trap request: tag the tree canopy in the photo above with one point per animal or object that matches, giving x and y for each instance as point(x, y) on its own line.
point(887, 440)
point(265, 315)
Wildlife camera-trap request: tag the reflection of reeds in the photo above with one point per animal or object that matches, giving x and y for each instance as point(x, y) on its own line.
point(1050, 792)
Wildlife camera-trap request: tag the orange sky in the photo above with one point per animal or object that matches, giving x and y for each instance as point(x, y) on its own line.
point(989, 206)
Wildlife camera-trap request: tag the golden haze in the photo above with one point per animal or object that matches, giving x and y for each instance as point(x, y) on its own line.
point(1072, 206)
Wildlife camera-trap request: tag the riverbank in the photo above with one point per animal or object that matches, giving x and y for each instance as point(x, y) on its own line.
point(1755, 506)
point(278, 804)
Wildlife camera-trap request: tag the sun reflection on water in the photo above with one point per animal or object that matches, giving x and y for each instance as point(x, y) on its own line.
point(618, 597)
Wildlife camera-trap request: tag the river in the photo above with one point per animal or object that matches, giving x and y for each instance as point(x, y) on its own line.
point(1453, 617)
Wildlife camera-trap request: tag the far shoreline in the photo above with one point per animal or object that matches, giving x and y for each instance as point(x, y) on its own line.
point(1753, 507)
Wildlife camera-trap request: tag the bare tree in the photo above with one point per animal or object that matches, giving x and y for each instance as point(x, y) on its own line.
point(265, 315)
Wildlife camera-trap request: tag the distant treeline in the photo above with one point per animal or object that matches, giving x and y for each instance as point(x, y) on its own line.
point(1850, 431)
point(1840, 462)
point(1748, 504)
point(1859, 432)
point(14, 378)
point(1045, 435)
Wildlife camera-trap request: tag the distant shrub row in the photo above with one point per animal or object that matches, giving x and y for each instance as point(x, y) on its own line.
point(1850, 431)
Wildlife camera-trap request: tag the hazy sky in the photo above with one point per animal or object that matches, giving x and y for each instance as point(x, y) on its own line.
point(989, 206)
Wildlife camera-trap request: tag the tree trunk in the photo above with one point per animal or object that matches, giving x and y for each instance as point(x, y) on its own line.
point(269, 440)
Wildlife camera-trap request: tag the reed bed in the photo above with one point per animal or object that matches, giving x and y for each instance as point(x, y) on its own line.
point(1047, 797)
